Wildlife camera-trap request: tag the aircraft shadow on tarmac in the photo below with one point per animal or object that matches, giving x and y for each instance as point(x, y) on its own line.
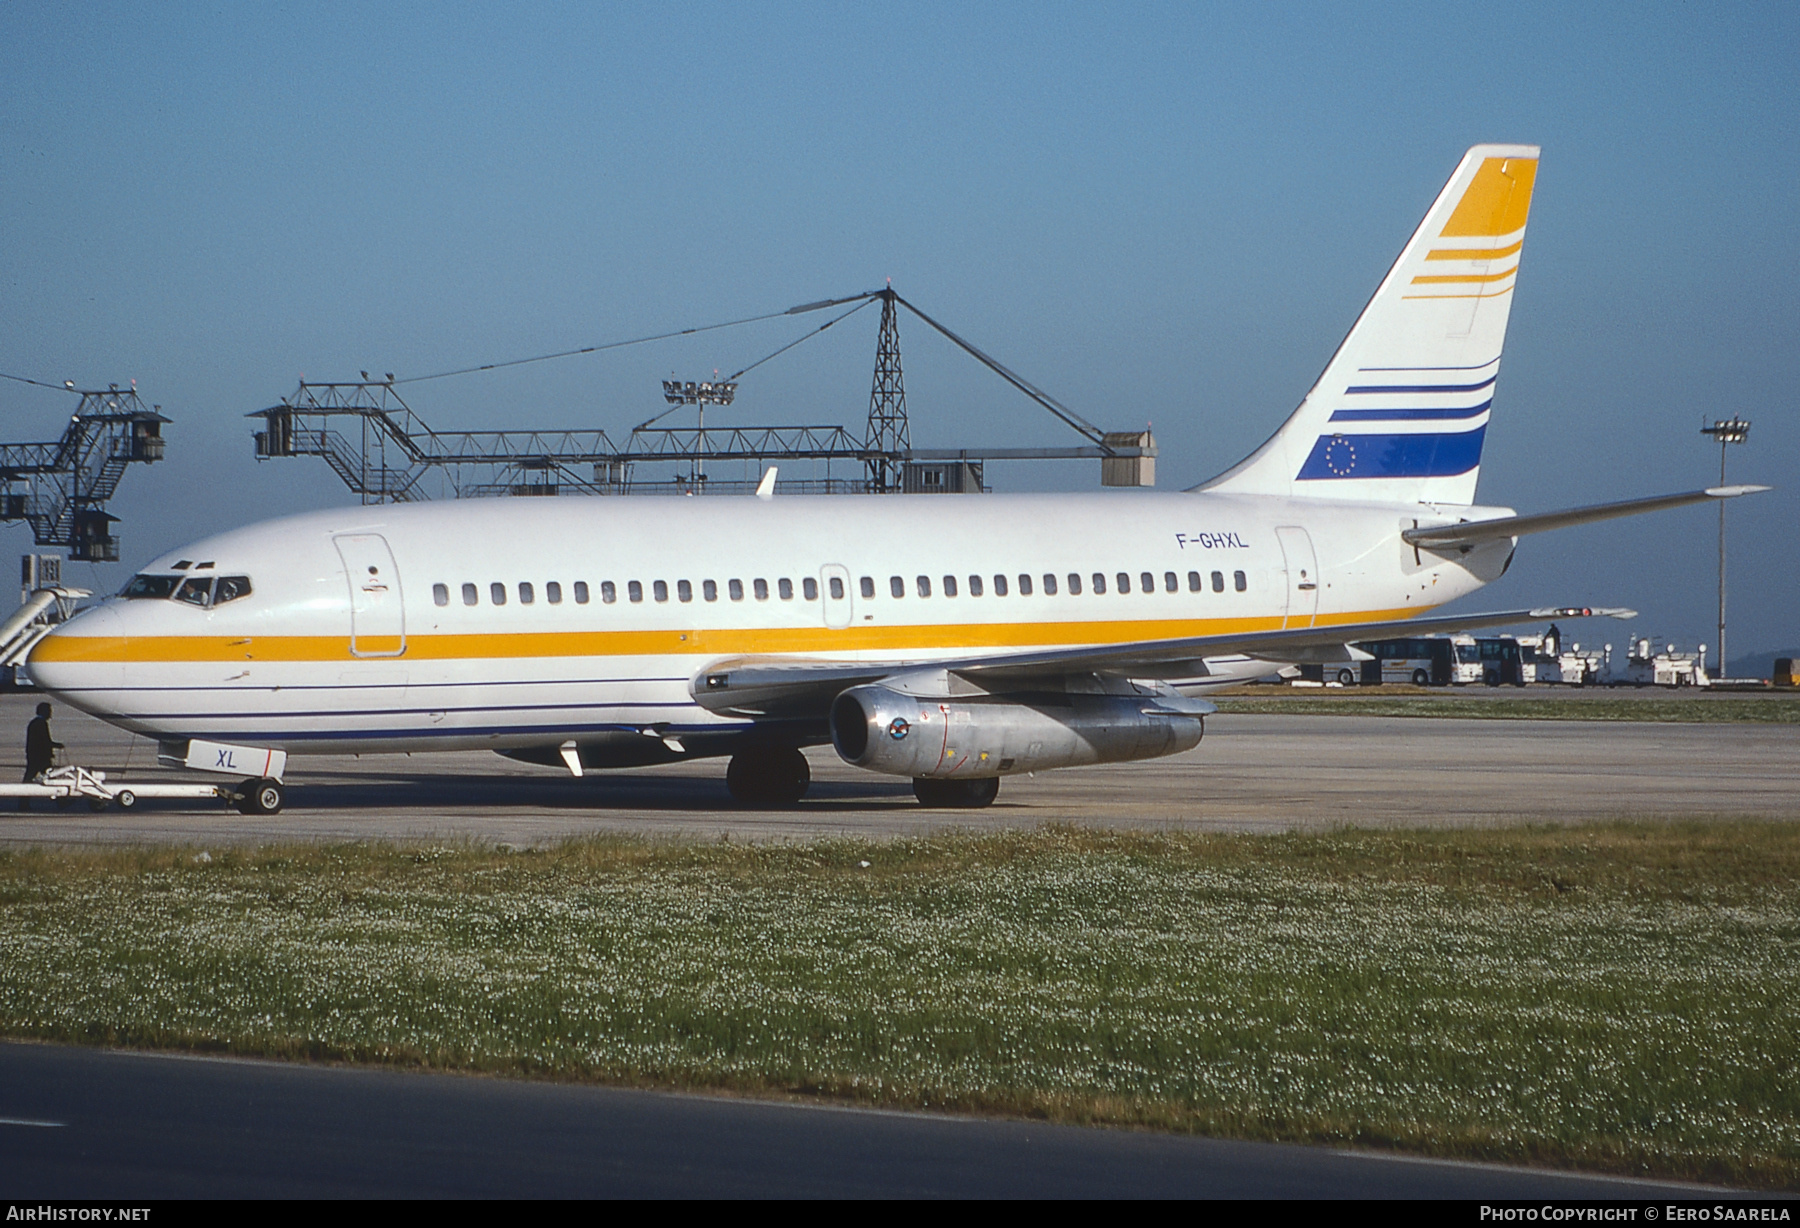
point(608, 792)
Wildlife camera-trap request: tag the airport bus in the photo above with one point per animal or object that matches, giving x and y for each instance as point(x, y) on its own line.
point(1501, 661)
point(1425, 660)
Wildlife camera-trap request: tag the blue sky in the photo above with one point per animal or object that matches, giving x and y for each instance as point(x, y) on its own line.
point(1160, 213)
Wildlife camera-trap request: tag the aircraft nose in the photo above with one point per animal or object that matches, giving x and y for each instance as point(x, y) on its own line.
point(79, 662)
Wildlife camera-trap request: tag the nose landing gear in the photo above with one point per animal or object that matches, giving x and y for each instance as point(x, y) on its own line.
point(263, 795)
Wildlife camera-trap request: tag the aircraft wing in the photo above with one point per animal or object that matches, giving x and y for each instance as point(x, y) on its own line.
point(785, 687)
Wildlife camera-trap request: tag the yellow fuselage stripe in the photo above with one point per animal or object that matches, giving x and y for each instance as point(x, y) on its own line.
point(899, 640)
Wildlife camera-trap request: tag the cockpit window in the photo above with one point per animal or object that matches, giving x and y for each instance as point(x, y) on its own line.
point(150, 588)
point(197, 591)
point(230, 588)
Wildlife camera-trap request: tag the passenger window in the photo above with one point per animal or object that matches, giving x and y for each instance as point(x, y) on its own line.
point(660, 588)
point(1024, 585)
point(440, 594)
point(635, 590)
point(197, 591)
point(1000, 585)
point(1194, 584)
point(470, 597)
point(1171, 584)
point(974, 586)
point(1074, 584)
point(1099, 582)
point(1147, 583)
point(230, 588)
point(924, 586)
point(785, 588)
point(1049, 585)
point(1218, 581)
point(837, 588)
point(684, 591)
point(809, 588)
point(497, 593)
point(897, 586)
point(1124, 579)
point(736, 589)
point(949, 586)
point(526, 595)
point(762, 589)
point(868, 586)
point(553, 592)
point(1240, 581)
point(709, 589)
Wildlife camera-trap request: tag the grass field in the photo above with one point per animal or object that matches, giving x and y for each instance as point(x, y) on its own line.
point(1762, 709)
point(1618, 998)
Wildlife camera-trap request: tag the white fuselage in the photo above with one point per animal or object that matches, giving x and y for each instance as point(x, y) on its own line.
point(325, 655)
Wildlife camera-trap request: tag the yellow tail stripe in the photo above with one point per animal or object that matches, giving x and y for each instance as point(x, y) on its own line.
point(1430, 279)
point(1495, 294)
point(1474, 253)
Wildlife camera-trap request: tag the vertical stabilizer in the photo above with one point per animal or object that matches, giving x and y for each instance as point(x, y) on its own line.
point(1400, 413)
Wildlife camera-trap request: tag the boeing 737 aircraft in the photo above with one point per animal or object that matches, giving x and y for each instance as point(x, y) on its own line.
point(952, 639)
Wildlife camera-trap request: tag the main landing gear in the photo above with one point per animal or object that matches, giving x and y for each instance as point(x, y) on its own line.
point(768, 776)
point(956, 794)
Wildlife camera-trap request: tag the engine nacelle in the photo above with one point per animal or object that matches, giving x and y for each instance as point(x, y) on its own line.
point(885, 730)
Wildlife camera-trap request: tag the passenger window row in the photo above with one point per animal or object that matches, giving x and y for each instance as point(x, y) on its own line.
point(977, 586)
point(526, 592)
point(1122, 582)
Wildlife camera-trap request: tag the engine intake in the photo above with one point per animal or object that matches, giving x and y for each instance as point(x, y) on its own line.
point(885, 730)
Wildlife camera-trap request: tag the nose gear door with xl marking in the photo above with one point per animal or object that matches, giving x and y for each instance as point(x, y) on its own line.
point(377, 622)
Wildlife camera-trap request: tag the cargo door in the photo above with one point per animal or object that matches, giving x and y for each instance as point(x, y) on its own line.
point(834, 588)
point(377, 621)
point(1302, 576)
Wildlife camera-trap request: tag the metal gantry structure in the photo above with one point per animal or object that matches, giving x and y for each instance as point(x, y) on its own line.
point(61, 487)
point(385, 452)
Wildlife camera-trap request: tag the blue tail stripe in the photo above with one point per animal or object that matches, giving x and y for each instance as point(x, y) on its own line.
point(1362, 388)
point(1393, 456)
point(1408, 415)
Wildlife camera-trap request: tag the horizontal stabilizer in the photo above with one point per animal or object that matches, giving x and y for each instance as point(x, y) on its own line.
point(1471, 532)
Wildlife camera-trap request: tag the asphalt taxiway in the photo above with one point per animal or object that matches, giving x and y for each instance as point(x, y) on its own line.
point(1255, 773)
point(94, 1124)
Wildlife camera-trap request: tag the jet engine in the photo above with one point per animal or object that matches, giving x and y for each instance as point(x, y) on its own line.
point(886, 730)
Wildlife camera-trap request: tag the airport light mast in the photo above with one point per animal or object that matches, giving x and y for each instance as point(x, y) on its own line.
point(1724, 433)
point(699, 393)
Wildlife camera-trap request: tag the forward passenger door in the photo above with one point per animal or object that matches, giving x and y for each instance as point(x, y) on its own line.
point(377, 621)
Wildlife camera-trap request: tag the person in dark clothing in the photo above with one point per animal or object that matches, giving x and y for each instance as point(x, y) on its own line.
point(40, 749)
